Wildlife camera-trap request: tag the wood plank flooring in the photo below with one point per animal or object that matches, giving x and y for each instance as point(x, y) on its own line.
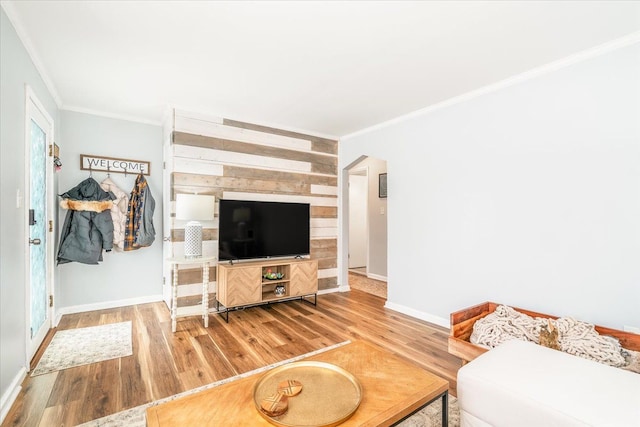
point(164, 364)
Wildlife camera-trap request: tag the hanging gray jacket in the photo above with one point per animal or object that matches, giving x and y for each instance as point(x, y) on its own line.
point(88, 227)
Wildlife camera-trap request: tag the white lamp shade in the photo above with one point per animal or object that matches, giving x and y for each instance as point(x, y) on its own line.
point(195, 207)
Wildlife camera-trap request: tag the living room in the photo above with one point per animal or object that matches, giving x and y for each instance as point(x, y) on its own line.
point(520, 189)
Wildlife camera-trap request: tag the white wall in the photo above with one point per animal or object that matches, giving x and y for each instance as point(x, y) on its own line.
point(16, 70)
point(528, 195)
point(377, 220)
point(123, 277)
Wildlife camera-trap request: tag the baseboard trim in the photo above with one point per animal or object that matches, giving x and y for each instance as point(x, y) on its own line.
point(377, 277)
point(106, 305)
point(437, 320)
point(12, 393)
point(329, 291)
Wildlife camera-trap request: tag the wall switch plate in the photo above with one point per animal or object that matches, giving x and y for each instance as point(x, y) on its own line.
point(18, 199)
point(381, 210)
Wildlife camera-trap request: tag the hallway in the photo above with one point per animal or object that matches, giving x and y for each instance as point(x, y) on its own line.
point(362, 283)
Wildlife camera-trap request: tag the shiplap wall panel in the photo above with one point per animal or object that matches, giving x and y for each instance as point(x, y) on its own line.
point(324, 222)
point(241, 184)
point(257, 173)
point(329, 190)
point(177, 234)
point(243, 161)
point(193, 277)
point(323, 232)
point(313, 201)
point(195, 288)
point(247, 148)
point(209, 248)
point(185, 125)
point(324, 212)
point(204, 167)
point(318, 144)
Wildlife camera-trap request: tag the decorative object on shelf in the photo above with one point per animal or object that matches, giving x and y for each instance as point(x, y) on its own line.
point(194, 208)
point(280, 290)
point(382, 185)
point(269, 275)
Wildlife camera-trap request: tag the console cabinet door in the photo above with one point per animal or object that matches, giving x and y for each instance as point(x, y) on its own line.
point(243, 286)
point(304, 278)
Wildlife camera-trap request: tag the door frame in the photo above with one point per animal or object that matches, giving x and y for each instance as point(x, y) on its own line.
point(167, 220)
point(33, 106)
point(361, 171)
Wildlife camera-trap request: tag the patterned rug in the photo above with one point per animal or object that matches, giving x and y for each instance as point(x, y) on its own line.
point(136, 417)
point(82, 346)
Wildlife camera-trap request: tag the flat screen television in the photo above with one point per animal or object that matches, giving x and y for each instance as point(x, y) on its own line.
point(251, 229)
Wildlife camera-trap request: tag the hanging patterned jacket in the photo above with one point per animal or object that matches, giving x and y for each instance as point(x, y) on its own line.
point(88, 228)
point(118, 211)
point(139, 230)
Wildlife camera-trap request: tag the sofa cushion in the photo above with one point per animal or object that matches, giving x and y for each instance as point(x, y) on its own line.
point(520, 383)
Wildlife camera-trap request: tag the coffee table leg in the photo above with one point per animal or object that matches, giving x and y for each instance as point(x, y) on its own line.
point(445, 409)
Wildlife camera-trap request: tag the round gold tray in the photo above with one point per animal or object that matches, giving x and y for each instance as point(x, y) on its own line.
point(329, 396)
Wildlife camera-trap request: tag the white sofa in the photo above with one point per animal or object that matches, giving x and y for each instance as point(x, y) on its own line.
point(519, 384)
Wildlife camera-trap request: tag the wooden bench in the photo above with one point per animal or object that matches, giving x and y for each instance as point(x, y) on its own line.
point(462, 326)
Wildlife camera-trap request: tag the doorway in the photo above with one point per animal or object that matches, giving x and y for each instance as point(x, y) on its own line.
point(366, 228)
point(358, 224)
point(39, 240)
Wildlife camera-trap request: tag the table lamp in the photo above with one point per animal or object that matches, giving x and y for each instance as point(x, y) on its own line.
point(194, 208)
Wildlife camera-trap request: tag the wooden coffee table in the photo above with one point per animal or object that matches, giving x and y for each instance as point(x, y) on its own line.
point(392, 390)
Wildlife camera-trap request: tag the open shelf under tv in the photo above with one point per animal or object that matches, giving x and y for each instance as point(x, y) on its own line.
point(244, 284)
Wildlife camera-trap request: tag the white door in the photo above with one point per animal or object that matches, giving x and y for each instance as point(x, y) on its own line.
point(39, 222)
point(358, 224)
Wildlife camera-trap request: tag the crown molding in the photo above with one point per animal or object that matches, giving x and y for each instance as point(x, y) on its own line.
point(128, 118)
point(12, 14)
point(584, 55)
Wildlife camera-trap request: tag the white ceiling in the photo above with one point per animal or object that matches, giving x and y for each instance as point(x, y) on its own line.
point(330, 68)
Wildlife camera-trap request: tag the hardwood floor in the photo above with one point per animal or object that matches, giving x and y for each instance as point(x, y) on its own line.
point(365, 284)
point(164, 364)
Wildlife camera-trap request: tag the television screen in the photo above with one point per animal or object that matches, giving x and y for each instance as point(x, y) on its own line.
point(250, 229)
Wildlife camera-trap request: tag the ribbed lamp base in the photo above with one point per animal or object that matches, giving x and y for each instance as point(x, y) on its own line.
point(193, 240)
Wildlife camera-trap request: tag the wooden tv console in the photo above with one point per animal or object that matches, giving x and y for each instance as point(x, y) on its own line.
point(243, 284)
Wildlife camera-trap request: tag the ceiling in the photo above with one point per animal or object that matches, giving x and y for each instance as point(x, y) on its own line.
point(330, 68)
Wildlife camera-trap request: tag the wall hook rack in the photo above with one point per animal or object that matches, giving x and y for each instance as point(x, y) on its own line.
point(114, 164)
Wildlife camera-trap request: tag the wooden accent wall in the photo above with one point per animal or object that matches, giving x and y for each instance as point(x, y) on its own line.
point(244, 161)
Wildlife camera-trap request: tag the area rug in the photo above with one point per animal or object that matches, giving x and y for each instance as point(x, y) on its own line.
point(82, 346)
point(136, 417)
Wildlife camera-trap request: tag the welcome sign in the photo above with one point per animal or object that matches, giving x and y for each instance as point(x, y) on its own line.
point(113, 164)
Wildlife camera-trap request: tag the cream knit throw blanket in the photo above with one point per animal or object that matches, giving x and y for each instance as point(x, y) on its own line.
point(574, 337)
